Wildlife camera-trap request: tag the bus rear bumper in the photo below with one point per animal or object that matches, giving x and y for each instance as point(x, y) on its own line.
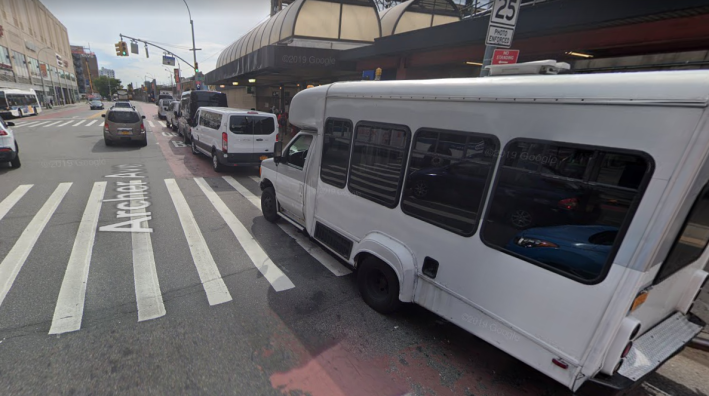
point(648, 353)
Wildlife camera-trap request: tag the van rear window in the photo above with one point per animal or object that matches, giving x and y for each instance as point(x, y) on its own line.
point(692, 239)
point(564, 207)
point(250, 125)
point(123, 116)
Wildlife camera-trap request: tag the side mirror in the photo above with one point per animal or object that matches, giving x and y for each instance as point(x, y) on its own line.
point(278, 152)
point(103, 115)
point(143, 117)
point(10, 123)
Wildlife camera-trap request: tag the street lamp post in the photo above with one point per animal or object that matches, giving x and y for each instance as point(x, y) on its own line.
point(39, 64)
point(194, 49)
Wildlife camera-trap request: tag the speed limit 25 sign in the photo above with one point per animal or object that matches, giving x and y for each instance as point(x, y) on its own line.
point(503, 20)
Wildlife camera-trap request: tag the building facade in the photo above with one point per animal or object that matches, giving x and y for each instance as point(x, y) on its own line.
point(107, 72)
point(86, 67)
point(35, 52)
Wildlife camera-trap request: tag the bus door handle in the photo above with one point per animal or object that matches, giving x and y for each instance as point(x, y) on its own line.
point(259, 140)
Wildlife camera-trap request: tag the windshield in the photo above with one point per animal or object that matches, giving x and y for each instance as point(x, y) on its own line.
point(122, 104)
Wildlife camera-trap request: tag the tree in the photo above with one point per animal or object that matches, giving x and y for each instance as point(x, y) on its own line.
point(101, 85)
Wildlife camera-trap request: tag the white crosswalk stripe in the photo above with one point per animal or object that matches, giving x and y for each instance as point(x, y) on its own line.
point(91, 123)
point(217, 292)
point(26, 124)
point(79, 123)
point(150, 123)
point(316, 251)
point(70, 304)
point(15, 259)
point(68, 310)
point(260, 259)
point(50, 124)
point(66, 123)
point(162, 124)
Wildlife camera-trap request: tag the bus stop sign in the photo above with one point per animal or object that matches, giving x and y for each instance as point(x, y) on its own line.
point(503, 21)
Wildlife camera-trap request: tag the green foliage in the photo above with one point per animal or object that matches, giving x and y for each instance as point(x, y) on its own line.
point(101, 85)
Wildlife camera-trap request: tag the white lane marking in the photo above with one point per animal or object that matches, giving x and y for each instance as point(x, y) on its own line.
point(53, 123)
point(31, 123)
point(101, 124)
point(15, 259)
point(91, 123)
point(66, 123)
point(256, 179)
point(162, 124)
point(79, 123)
point(145, 275)
point(178, 143)
point(261, 261)
point(212, 281)
point(150, 123)
point(69, 310)
point(313, 249)
point(13, 198)
point(40, 123)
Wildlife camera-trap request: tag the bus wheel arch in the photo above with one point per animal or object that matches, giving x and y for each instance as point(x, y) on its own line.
point(393, 254)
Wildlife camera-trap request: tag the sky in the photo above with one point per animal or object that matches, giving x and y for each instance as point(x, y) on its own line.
point(98, 23)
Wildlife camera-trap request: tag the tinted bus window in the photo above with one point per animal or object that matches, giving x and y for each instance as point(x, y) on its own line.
point(447, 179)
point(337, 141)
point(692, 239)
point(378, 160)
point(563, 207)
point(210, 99)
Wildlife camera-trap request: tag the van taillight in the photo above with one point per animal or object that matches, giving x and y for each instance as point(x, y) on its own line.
point(627, 349)
point(3, 133)
point(225, 142)
point(278, 136)
point(569, 203)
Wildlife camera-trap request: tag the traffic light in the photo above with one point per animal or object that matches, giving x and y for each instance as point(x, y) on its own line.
point(196, 68)
point(124, 48)
point(118, 48)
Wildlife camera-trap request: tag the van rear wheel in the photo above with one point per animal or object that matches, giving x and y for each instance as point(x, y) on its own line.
point(269, 205)
point(378, 285)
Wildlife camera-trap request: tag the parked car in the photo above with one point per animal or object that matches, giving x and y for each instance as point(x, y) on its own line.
point(126, 105)
point(164, 107)
point(171, 114)
point(124, 125)
point(96, 105)
point(189, 103)
point(9, 149)
point(234, 137)
point(578, 249)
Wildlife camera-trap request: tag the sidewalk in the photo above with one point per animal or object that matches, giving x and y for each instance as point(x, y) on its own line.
point(57, 108)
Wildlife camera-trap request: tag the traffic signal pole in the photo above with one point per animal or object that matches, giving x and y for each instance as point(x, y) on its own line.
point(157, 46)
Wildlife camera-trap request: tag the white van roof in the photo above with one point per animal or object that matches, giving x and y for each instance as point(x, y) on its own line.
point(688, 88)
point(232, 110)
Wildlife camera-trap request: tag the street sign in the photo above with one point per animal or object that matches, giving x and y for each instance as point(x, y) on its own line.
point(134, 48)
point(505, 57)
point(168, 60)
point(503, 20)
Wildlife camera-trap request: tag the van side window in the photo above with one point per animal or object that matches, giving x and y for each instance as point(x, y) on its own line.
point(201, 117)
point(378, 161)
point(337, 140)
point(447, 178)
point(216, 120)
point(692, 239)
point(564, 207)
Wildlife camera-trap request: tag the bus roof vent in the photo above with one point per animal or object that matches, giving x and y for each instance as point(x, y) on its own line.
point(537, 67)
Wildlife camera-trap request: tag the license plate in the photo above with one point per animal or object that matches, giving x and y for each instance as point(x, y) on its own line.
point(263, 157)
point(125, 132)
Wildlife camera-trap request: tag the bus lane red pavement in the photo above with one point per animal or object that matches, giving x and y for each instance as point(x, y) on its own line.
point(51, 114)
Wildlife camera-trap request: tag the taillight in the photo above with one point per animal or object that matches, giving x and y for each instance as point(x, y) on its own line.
point(225, 142)
point(278, 135)
point(533, 243)
point(3, 133)
point(569, 203)
point(142, 128)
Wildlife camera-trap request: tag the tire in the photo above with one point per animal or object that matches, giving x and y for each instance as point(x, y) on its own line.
point(194, 148)
point(216, 165)
point(520, 218)
point(420, 189)
point(144, 142)
point(269, 204)
point(378, 285)
point(107, 142)
point(16, 162)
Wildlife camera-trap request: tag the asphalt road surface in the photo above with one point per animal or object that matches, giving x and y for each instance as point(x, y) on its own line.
point(204, 296)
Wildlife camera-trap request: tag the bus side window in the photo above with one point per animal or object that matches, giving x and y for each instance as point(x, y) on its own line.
point(378, 161)
point(572, 209)
point(337, 141)
point(448, 177)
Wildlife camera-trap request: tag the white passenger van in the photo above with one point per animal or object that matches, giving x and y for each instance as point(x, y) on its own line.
point(563, 219)
point(233, 137)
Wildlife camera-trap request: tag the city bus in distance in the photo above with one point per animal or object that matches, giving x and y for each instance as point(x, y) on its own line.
point(562, 218)
point(18, 103)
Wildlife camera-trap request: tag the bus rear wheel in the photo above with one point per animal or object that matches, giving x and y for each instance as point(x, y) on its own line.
point(378, 285)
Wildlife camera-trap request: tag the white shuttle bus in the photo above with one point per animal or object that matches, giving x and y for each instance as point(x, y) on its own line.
point(562, 218)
